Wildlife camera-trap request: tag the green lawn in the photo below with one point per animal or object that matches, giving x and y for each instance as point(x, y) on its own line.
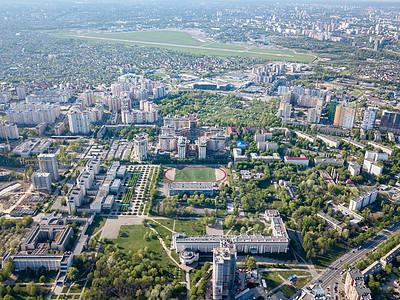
point(167, 223)
point(287, 274)
point(77, 287)
point(195, 174)
point(301, 282)
point(272, 279)
point(163, 232)
point(131, 238)
point(97, 224)
point(287, 291)
point(190, 227)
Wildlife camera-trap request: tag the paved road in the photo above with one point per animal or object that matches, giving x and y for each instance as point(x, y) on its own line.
point(332, 274)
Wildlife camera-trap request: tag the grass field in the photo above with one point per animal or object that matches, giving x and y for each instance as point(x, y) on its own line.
point(190, 227)
point(182, 41)
point(273, 280)
point(130, 238)
point(195, 174)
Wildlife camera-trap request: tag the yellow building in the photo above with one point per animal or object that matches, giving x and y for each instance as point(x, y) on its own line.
point(344, 116)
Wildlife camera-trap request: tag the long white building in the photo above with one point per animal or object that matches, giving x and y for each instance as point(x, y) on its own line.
point(33, 113)
point(52, 96)
point(257, 243)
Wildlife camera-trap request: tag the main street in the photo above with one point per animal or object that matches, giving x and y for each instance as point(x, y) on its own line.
point(331, 275)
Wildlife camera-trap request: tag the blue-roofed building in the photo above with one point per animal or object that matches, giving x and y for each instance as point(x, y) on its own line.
point(244, 295)
point(241, 144)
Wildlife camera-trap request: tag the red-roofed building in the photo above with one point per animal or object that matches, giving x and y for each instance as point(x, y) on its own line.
point(232, 130)
point(302, 160)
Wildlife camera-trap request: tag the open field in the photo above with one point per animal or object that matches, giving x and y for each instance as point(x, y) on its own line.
point(131, 238)
point(183, 41)
point(195, 174)
point(189, 174)
point(190, 227)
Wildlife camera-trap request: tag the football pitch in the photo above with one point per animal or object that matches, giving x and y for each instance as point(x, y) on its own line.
point(195, 174)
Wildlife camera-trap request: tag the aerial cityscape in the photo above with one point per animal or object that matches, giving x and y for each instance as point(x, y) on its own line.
point(199, 150)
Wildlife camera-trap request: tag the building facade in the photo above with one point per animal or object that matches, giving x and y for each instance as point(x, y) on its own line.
point(369, 118)
point(354, 286)
point(48, 164)
point(141, 146)
point(224, 269)
point(344, 116)
point(390, 121)
point(79, 121)
point(41, 181)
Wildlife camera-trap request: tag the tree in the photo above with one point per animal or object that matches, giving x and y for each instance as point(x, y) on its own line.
point(73, 274)
point(391, 289)
point(32, 289)
point(345, 234)
point(65, 189)
point(251, 262)
point(346, 266)
point(42, 279)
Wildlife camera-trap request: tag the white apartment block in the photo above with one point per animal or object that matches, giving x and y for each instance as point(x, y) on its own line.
point(52, 96)
point(79, 121)
point(376, 156)
point(305, 136)
point(141, 146)
point(262, 137)
point(202, 145)
point(181, 147)
point(354, 168)
point(372, 167)
point(9, 131)
point(264, 146)
point(59, 128)
point(33, 113)
point(331, 142)
point(369, 118)
point(21, 92)
point(5, 97)
point(285, 110)
point(364, 199)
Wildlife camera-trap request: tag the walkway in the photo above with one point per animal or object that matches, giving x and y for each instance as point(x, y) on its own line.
point(182, 266)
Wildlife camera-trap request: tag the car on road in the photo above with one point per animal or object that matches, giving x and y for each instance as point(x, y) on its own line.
point(359, 247)
point(343, 271)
